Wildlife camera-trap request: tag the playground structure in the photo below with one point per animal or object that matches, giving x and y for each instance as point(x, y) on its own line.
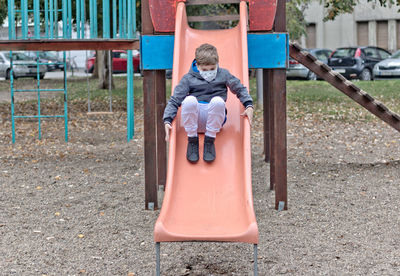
point(206, 202)
point(216, 204)
point(118, 20)
point(154, 74)
point(157, 46)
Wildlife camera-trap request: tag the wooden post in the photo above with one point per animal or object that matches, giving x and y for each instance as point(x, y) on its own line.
point(154, 103)
point(278, 122)
point(266, 109)
point(150, 138)
point(268, 116)
point(161, 144)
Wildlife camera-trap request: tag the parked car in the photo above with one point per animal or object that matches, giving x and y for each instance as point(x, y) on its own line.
point(357, 62)
point(298, 70)
point(119, 61)
point(388, 68)
point(51, 58)
point(23, 66)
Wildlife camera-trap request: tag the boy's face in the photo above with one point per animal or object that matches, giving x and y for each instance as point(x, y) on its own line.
point(208, 67)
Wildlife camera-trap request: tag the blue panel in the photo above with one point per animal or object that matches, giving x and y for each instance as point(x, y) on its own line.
point(157, 52)
point(267, 50)
point(264, 51)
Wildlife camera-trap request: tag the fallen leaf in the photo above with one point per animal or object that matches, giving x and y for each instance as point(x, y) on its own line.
point(58, 177)
point(38, 188)
point(101, 213)
point(81, 236)
point(57, 214)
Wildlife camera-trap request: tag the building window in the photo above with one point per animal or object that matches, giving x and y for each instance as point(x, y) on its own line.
point(382, 34)
point(362, 33)
point(311, 40)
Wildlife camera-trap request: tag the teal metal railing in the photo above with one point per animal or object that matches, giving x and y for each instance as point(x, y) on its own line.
point(45, 17)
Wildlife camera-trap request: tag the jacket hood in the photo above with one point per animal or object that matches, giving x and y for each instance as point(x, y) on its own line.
point(194, 71)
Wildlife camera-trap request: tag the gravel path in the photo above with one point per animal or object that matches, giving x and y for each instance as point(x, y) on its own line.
point(77, 208)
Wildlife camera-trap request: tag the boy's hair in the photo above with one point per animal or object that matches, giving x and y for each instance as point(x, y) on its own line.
point(207, 54)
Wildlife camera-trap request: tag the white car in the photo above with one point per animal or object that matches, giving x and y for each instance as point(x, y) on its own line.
point(23, 66)
point(388, 68)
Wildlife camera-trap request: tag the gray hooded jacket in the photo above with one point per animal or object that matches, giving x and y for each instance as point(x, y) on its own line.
point(193, 84)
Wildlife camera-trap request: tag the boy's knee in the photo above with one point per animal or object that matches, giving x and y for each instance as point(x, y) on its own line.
point(190, 101)
point(218, 102)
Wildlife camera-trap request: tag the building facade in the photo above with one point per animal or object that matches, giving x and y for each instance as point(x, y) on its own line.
point(368, 25)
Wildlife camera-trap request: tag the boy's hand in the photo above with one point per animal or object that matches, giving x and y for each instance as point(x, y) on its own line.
point(167, 127)
point(249, 113)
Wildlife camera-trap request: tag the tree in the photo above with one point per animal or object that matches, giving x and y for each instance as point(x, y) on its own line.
point(296, 23)
point(335, 7)
point(3, 11)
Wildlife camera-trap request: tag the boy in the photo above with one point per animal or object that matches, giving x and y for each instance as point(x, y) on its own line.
point(202, 93)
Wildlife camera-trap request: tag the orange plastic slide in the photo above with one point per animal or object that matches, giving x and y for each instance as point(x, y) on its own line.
point(210, 202)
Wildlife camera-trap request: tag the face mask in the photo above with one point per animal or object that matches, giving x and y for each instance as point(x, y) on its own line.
point(209, 75)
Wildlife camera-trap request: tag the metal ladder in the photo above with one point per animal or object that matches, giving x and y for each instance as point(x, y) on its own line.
point(51, 12)
point(38, 90)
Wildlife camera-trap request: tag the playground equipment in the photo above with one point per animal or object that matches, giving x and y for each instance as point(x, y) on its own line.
point(118, 21)
point(210, 202)
point(204, 202)
point(157, 52)
point(50, 31)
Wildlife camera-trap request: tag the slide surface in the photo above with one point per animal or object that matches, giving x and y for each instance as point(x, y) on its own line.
point(210, 202)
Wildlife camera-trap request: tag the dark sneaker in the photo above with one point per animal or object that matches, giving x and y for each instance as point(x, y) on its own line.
point(209, 149)
point(192, 153)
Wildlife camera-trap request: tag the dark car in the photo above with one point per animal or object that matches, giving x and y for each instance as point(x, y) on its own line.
point(119, 61)
point(357, 62)
point(52, 61)
point(298, 70)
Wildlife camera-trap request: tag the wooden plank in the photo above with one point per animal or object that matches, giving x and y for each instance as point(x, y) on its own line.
point(259, 44)
point(262, 14)
point(278, 122)
point(160, 91)
point(208, 2)
point(266, 108)
point(157, 51)
point(150, 139)
point(150, 134)
point(280, 18)
point(68, 44)
point(99, 113)
point(162, 15)
point(147, 24)
point(278, 141)
point(228, 17)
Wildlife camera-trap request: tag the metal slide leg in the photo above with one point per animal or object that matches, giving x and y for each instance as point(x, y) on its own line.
point(157, 259)
point(255, 261)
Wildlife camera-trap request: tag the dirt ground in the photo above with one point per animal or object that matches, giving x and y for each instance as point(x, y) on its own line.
point(77, 208)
